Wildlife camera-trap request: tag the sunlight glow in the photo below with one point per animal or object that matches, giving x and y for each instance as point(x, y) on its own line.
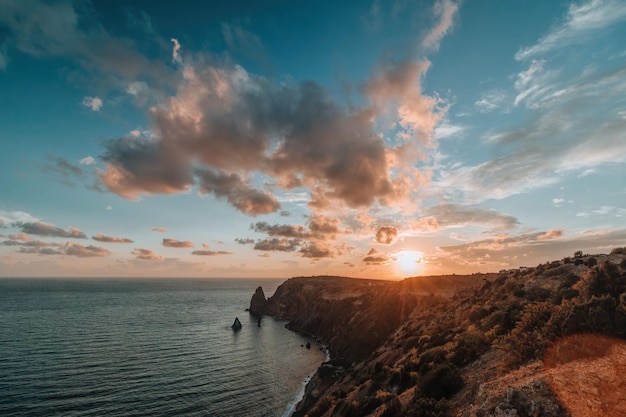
point(408, 261)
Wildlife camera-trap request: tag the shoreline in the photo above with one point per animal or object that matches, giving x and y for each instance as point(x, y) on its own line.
point(297, 399)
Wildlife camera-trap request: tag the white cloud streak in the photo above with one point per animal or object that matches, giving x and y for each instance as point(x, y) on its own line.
point(580, 20)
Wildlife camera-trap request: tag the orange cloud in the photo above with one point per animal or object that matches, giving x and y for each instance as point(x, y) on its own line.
point(386, 235)
point(375, 257)
point(551, 234)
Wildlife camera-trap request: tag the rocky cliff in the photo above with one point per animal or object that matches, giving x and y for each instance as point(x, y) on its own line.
point(470, 346)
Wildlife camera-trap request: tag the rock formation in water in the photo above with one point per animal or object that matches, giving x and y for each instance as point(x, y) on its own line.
point(466, 346)
point(237, 324)
point(258, 303)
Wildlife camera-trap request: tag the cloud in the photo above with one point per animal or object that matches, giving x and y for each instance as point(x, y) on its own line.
point(580, 21)
point(82, 251)
point(491, 101)
point(94, 103)
point(444, 10)
point(88, 160)
point(46, 229)
point(280, 245)
point(28, 243)
point(452, 215)
point(146, 255)
point(375, 257)
point(228, 122)
point(316, 250)
point(175, 51)
point(53, 248)
point(10, 217)
point(551, 234)
point(41, 251)
point(158, 229)
point(246, 199)
point(173, 243)
point(398, 86)
point(386, 235)
point(111, 239)
point(210, 253)
point(68, 171)
point(243, 42)
point(284, 230)
point(71, 29)
point(425, 224)
point(23, 237)
point(244, 241)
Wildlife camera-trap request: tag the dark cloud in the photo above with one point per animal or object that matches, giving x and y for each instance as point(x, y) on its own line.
point(316, 250)
point(375, 257)
point(173, 243)
point(284, 230)
point(231, 122)
point(210, 252)
point(41, 251)
point(137, 165)
point(244, 241)
point(68, 249)
point(246, 199)
point(146, 255)
point(319, 227)
point(47, 229)
point(386, 234)
point(275, 244)
point(29, 243)
point(111, 239)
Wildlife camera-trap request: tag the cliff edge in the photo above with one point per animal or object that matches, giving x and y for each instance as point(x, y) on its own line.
point(481, 345)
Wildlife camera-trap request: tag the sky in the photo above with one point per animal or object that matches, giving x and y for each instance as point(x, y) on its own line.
point(377, 139)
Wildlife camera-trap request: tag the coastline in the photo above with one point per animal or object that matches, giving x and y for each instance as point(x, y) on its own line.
point(306, 385)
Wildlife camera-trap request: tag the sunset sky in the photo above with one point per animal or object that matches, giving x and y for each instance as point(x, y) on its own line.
point(278, 138)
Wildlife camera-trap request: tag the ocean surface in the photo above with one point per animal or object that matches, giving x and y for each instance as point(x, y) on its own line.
point(142, 347)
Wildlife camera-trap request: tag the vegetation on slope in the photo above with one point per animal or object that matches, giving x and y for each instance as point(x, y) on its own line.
point(401, 350)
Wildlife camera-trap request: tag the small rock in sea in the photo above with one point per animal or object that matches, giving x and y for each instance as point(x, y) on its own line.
point(301, 345)
point(236, 325)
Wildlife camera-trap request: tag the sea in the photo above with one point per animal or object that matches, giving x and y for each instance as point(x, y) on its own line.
point(146, 347)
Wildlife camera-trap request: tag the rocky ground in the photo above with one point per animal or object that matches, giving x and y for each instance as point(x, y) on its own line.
point(543, 341)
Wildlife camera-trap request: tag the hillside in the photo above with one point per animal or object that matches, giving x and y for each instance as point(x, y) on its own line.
point(542, 341)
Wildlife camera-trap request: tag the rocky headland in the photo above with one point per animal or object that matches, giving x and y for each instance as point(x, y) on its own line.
point(541, 341)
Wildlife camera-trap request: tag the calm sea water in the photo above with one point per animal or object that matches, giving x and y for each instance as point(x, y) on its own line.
point(145, 347)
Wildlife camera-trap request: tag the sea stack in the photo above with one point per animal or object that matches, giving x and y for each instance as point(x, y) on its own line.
point(258, 303)
point(236, 325)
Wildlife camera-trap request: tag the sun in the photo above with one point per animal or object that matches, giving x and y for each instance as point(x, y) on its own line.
point(408, 261)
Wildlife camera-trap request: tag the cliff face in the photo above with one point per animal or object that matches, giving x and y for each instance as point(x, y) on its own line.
point(464, 346)
point(258, 303)
point(354, 316)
